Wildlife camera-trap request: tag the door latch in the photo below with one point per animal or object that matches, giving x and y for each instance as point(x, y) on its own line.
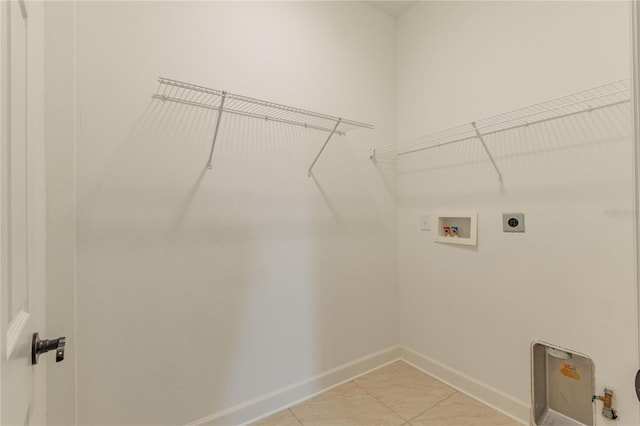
point(43, 346)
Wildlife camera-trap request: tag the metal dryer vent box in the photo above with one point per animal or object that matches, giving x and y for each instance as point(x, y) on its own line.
point(562, 384)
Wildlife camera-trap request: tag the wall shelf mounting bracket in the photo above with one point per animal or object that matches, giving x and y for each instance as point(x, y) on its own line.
point(324, 146)
point(215, 132)
point(484, 145)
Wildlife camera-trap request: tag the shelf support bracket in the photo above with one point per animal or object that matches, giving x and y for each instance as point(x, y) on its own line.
point(323, 146)
point(484, 145)
point(215, 132)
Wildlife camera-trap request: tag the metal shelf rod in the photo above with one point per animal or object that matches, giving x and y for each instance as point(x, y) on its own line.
point(246, 99)
point(224, 102)
point(246, 114)
point(551, 110)
point(435, 146)
point(608, 95)
point(517, 126)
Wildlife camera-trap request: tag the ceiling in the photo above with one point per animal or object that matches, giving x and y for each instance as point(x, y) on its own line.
point(393, 8)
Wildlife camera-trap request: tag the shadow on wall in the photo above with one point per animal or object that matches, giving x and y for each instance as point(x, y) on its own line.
point(386, 165)
point(222, 284)
point(354, 255)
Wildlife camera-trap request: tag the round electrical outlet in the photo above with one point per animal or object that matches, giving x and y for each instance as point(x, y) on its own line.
point(513, 222)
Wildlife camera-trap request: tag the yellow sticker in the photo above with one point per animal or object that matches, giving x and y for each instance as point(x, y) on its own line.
point(570, 371)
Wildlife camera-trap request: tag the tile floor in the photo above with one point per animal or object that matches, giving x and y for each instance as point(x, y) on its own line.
point(394, 395)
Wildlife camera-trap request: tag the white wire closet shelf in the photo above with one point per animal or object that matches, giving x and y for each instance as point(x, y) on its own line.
point(607, 95)
point(229, 103)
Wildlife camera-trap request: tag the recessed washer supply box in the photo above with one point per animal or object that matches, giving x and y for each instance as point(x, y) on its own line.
point(456, 227)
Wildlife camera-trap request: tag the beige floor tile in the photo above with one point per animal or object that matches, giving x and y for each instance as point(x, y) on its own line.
point(346, 405)
point(282, 418)
point(404, 389)
point(460, 410)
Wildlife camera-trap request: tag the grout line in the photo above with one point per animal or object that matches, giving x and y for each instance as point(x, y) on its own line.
point(385, 405)
point(461, 389)
point(307, 398)
point(417, 415)
point(407, 422)
point(294, 415)
point(433, 406)
point(378, 401)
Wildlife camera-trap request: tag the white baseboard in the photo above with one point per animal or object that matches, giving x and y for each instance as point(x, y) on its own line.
point(496, 399)
point(265, 405)
point(280, 399)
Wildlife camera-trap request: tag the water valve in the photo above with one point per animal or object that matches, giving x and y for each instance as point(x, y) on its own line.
point(607, 399)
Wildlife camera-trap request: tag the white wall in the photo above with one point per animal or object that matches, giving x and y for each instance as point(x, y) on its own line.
point(569, 279)
point(198, 290)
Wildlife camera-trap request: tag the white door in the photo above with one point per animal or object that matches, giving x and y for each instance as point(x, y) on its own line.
point(22, 214)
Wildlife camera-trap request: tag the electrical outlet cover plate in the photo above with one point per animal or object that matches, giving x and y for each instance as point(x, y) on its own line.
point(425, 222)
point(513, 222)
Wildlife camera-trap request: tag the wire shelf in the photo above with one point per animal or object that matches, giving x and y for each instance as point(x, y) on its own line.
point(607, 95)
point(229, 103)
point(204, 97)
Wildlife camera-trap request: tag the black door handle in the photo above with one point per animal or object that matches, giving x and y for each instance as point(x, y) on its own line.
point(43, 346)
